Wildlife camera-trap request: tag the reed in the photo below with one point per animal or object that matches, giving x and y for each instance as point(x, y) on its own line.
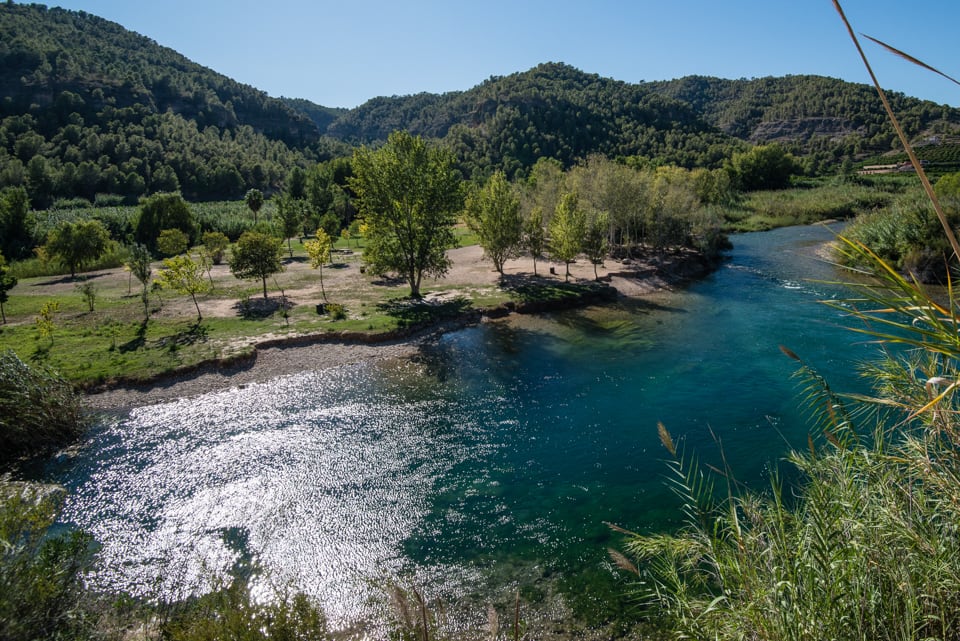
point(867, 545)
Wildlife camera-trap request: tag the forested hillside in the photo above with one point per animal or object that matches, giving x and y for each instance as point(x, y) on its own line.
point(553, 110)
point(89, 107)
point(825, 117)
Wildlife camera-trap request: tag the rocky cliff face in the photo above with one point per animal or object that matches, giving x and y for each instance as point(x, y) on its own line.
point(803, 129)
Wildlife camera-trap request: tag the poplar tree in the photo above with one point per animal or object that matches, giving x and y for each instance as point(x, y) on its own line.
point(567, 230)
point(493, 213)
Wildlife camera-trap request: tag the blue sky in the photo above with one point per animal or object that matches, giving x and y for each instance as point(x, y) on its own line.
point(340, 54)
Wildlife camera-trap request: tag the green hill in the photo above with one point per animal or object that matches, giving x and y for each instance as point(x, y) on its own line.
point(89, 107)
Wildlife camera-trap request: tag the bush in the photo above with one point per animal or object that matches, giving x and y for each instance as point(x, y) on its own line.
point(39, 411)
point(40, 575)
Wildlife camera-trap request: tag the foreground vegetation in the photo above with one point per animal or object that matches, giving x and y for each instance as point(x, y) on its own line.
point(866, 546)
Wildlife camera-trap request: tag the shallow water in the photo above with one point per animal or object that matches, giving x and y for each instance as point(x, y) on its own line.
point(489, 463)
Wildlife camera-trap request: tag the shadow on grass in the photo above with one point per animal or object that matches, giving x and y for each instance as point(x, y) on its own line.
point(410, 312)
point(196, 333)
point(138, 342)
point(527, 288)
point(41, 352)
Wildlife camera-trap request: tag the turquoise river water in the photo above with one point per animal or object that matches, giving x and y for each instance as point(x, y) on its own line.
point(489, 463)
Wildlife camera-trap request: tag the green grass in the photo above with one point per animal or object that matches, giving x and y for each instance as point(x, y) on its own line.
point(812, 202)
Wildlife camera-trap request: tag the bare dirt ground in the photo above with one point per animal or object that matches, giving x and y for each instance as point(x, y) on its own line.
point(469, 272)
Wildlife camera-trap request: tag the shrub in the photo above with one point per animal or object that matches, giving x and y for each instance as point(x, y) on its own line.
point(40, 575)
point(39, 411)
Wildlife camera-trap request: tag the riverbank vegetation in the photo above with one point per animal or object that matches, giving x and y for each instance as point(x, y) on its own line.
point(866, 546)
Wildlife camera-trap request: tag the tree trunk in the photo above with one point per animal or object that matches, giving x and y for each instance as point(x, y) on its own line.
point(199, 317)
point(322, 290)
point(265, 288)
point(566, 277)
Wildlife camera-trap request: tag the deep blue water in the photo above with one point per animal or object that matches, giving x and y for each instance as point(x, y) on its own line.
point(488, 463)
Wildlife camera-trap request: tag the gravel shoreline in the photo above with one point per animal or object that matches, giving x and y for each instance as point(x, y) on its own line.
point(268, 363)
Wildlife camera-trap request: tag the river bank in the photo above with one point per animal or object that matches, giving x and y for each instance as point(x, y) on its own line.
point(272, 357)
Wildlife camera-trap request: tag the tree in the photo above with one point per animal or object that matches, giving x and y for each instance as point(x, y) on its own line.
point(184, 276)
point(297, 183)
point(163, 211)
point(216, 243)
point(567, 231)
point(319, 252)
point(534, 236)
point(171, 242)
point(290, 211)
point(88, 291)
point(7, 282)
point(409, 195)
point(256, 256)
point(139, 266)
point(15, 238)
point(493, 213)
point(763, 167)
point(254, 200)
point(595, 242)
point(78, 243)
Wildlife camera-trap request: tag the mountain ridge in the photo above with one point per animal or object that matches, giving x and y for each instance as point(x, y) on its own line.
point(90, 107)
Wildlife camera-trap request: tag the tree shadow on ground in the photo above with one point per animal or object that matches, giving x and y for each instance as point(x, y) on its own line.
point(196, 333)
point(388, 281)
point(410, 311)
point(137, 342)
point(259, 308)
point(62, 280)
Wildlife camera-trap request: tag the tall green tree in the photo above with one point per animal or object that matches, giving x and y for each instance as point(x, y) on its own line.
point(256, 256)
point(184, 275)
point(567, 230)
point(7, 282)
point(290, 211)
point(493, 213)
point(596, 240)
point(763, 167)
point(139, 265)
point(297, 183)
point(15, 240)
point(254, 201)
point(75, 244)
point(410, 194)
point(534, 236)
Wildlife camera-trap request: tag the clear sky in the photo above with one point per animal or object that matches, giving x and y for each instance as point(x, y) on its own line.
point(340, 54)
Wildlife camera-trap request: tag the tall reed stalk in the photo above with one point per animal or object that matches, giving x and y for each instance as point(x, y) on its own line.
point(869, 546)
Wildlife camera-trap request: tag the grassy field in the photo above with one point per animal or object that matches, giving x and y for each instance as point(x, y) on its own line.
point(814, 201)
point(111, 341)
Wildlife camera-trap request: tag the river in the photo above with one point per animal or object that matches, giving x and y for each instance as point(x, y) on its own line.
point(487, 464)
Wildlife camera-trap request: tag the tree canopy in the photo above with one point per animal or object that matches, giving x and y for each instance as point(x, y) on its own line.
point(256, 256)
point(493, 213)
point(410, 194)
point(76, 244)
